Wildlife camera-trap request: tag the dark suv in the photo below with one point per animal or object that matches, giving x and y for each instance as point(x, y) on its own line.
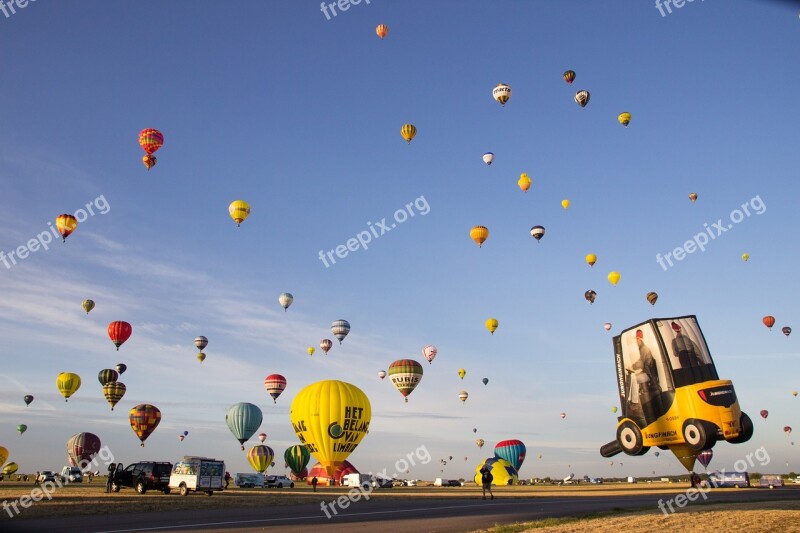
point(143, 476)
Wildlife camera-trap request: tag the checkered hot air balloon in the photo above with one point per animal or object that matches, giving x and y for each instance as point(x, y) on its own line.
point(144, 419)
point(150, 140)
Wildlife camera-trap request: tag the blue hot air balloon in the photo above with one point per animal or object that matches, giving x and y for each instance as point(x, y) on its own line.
point(340, 328)
point(243, 420)
point(512, 451)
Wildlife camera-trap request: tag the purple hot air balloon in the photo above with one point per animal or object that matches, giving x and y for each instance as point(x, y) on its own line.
point(705, 457)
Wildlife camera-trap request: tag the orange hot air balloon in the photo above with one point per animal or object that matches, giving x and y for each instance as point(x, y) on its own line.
point(768, 321)
point(119, 331)
point(693, 197)
point(524, 182)
point(150, 140)
point(66, 224)
point(149, 161)
point(479, 234)
point(382, 30)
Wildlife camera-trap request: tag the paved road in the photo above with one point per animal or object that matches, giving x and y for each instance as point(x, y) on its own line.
point(414, 514)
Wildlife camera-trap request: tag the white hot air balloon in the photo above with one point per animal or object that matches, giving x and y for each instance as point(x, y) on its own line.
point(285, 299)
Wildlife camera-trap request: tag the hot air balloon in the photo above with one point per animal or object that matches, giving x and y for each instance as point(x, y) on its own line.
point(429, 352)
point(243, 420)
point(485, 381)
point(181, 437)
point(260, 457)
point(614, 409)
point(569, 76)
point(239, 211)
point(408, 131)
point(480, 443)
point(786, 330)
point(463, 395)
point(68, 383)
point(768, 321)
point(113, 392)
point(275, 384)
point(787, 430)
point(613, 277)
point(340, 328)
point(297, 458)
point(652, 297)
point(474, 430)
point(201, 342)
point(563, 415)
point(512, 451)
point(201, 357)
point(502, 472)
point(311, 350)
point(405, 375)
point(66, 224)
point(262, 437)
point(144, 419)
point(590, 296)
point(624, 119)
point(492, 324)
point(285, 299)
point(10, 468)
point(82, 447)
point(22, 428)
point(488, 158)
point(326, 345)
point(27, 399)
point(657, 454)
point(3, 454)
point(185, 433)
point(150, 140)
point(87, 305)
point(693, 197)
point(119, 331)
point(121, 368)
point(524, 182)
point(479, 234)
point(705, 457)
point(582, 98)
point(537, 232)
point(382, 30)
point(462, 373)
point(607, 326)
point(501, 93)
point(107, 375)
point(591, 259)
point(794, 393)
point(745, 257)
point(764, 414)
point(382, 374)
point(331, 418)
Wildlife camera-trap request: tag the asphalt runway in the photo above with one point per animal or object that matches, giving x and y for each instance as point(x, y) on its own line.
point(383, 514)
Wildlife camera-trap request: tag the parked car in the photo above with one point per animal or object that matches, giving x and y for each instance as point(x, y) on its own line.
point(381, 483)
point(46, 475)
point(143, 476)
point(411, 483)
point(454, 483)
point(279, 482)
point(71, 474)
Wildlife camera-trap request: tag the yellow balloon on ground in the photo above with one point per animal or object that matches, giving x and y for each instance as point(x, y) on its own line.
point(524, 182)
point(68, 383)
point(479, 234)
point(10, 468)
point(3, 454)
point(239, 211)
point(491, 325)
point(503, 473)
point(565, 203)
point(613, 277)
point(330, 418)
point(591, 259)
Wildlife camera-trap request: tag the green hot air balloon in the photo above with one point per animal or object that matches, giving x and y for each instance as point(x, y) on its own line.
point(107, 375)
point(297, 458)
point(243, 419)
point(22, 428)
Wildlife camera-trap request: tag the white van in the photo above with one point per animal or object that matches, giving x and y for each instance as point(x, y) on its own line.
point(199, 474)
point(441, 482)
point(249, 480)
point(356, 480)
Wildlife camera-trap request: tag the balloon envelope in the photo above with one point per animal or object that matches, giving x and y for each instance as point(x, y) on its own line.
point(613, 277)
point(201, 342)
point(144, 419)
point(512, 451)
point(114, 391)
point(262, 437)
point(297, 457)
point(260, 457)
point(87, 305)
point(82, 447)
point(107, 375)
point(479, 234)
point(275, 385)
point(705, 457)
point(27, 399)
point(405, 375)
point(239, 211)
point(340, 328)
point(429, 352)
point(243, 420)
point(285, 299)
point(764, 414)
point(119, 331)
point(503, 473)
point(768, 321)
point(121, 368)
point(492, 324)
point(68, 383)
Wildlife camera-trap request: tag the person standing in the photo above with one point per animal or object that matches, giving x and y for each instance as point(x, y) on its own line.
point(36, 479)
point(227, 479)
point(110, 481)
point(486, 480)
point(314, 481)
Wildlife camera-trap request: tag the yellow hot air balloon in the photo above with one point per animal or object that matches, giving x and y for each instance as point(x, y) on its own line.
point(491, 325)
point(68, 383)
point(693, 197)
point(591, 259)
point(624, 118)
point(565, 203)
point(201, 357)
point(479, 234)
point(408, 131)
point(462, 373)
point(524, 182)
point(745, 256)
point(311, 350)
point(613, 277)
point(66, 224)
point(3, 455)
point(382, 30)
point(330, 418)
point(239, 211)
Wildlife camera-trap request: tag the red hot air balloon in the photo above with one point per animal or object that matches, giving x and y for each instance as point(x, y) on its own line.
point(275, 383)
point(150, 140)
point(82, 447)
point(768, 321)
point(764, 414)
point(144, 419)
point(119, 332)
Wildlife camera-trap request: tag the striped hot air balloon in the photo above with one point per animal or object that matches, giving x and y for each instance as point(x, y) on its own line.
point(144, 419)
point(66, 224)
point(405, 375)
point(114, 392)
point(569, 76)
point(260, 457)
point(479, 234)
point(382, 30)
point(68, 383)
point(512, 451)
point(107, 375)
point(297, 457)
point(82, 447)
point(652, 297)
point(408, 131)
point(150, 140)
point(340, 328)
point(325, 345)
point(582, 98)
point(275, 384)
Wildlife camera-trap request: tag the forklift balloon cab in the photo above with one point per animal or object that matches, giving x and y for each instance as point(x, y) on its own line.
point(670, 392)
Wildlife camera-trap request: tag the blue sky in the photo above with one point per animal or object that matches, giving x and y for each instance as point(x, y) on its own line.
point(272, 103)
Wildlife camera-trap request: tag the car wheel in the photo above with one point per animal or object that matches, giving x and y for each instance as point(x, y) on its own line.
point(696, 435)
point(291, 486)
point(184, 490)
point(115, 487)
point(630, 438)
point(210, 492)
point(167, 490)
point(140, 487)
point(746, 426)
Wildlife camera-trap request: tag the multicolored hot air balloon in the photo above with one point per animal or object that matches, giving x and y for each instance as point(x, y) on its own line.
point(27, 399)
point(501, 93)
point(119, 331)
point(285, 299)
point(488, 158)
point(66, 224)
point(624, 119)
point(340, 328)
point(181, 437)
point(144, 419)
point(405, 375)
point(652, 297)
point(590, 296)
point(537, 232)
point(613, 277)
point(262, 437)
point(768, 321)
point(150, 140)
point(569, 76)
point(693, 197)
point(582, 98)
point(382, 30)
point(200, 342)
point(492, 324)
point(3, 454)
point(512, 451)
point(479, 234)
point(325, 345)
point(68, 383)
point(275, 385)
point(705, 457)
point(524, 182)
point(239, 211)
point(591, 259)
point(786, 330)
point(382, 374)
point(429, 353)
point(408, 132)
point(82, 447)
point(479, 443)
point(463, 395)
point(243, 420)
point(114, 392)
point(764, 414)
point(87, 305)
point(107, 375)
point(297, 458)
point(260, 457)
point(331, 418)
